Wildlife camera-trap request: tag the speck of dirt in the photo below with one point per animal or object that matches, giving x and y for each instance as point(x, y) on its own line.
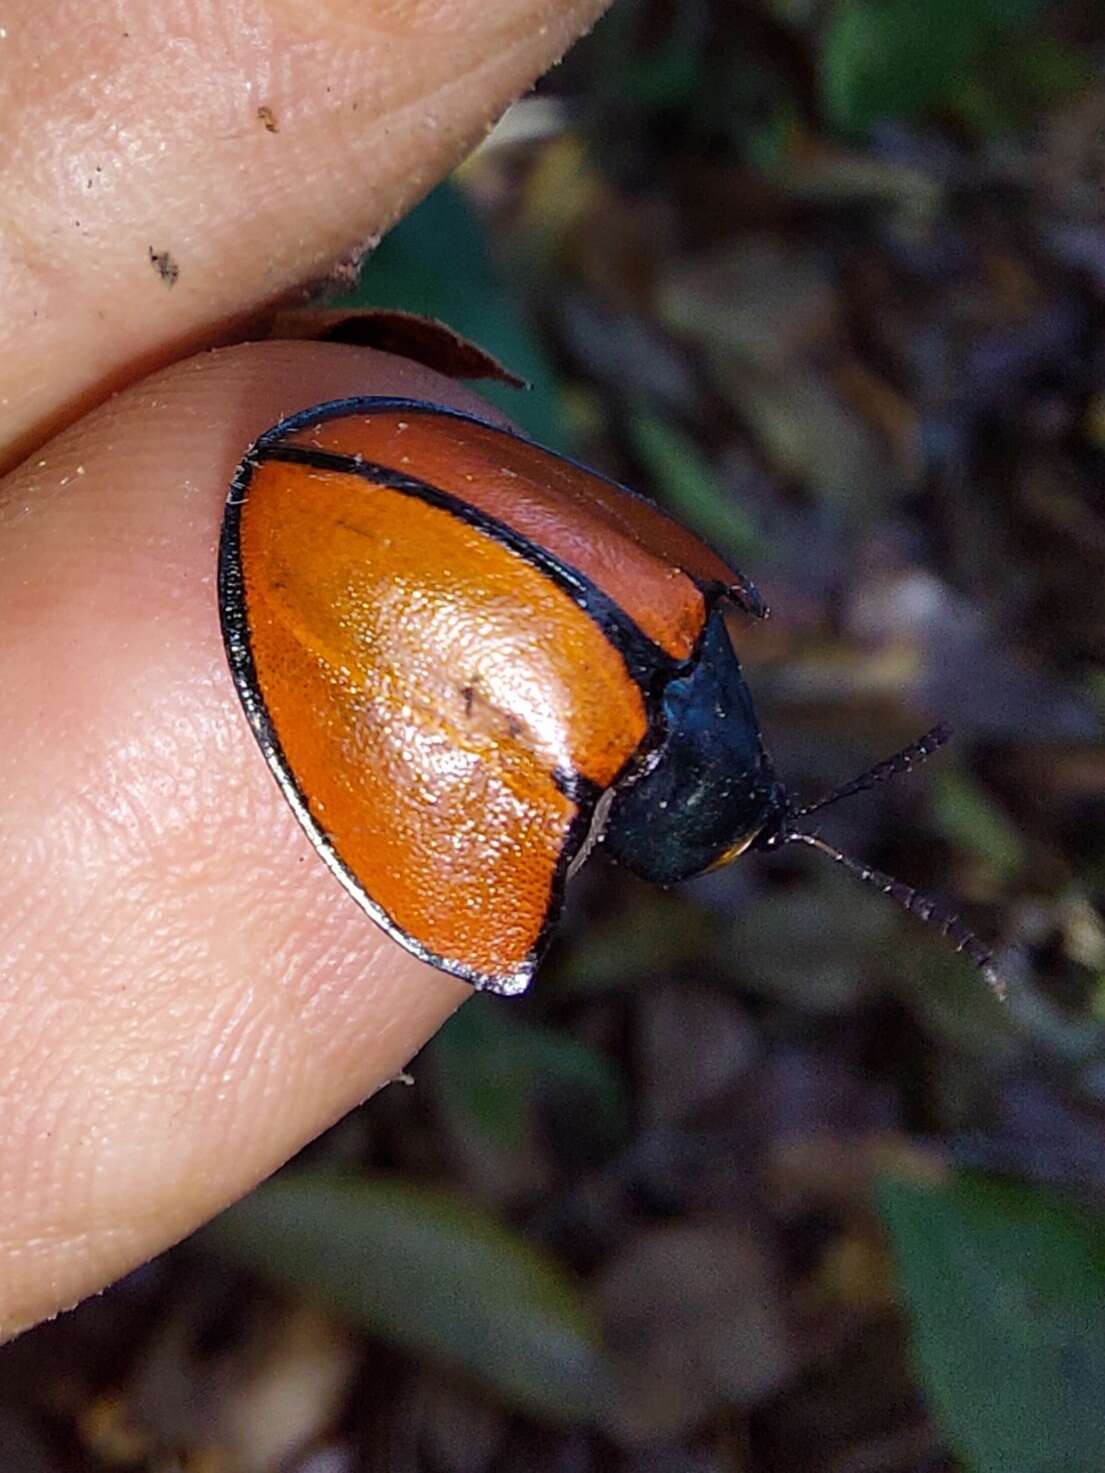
point(165, 266)
point(268, 117)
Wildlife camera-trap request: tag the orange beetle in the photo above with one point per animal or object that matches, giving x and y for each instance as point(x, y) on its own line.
point(468, 660)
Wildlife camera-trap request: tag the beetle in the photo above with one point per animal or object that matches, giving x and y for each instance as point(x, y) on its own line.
point(469, 661)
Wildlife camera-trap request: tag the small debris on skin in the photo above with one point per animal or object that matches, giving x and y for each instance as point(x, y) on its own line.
point(165, 266)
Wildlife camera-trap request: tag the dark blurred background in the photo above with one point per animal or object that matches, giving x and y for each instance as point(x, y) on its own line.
point(759, 1178)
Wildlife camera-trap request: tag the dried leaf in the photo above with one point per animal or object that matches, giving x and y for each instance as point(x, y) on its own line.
point(406, 334)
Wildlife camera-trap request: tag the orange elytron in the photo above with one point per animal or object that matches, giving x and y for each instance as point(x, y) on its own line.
point(468, 660)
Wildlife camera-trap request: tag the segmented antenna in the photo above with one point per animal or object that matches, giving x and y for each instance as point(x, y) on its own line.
point(923, 906)
point(901, 762)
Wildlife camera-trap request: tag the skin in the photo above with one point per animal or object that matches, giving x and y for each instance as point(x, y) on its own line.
point(186, 995)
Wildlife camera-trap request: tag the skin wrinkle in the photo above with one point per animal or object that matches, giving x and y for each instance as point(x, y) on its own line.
point(163, 1101)
point(59, 1197)
point(87, 835)
point(176, 975)
point(34, 1110)
point(174, 786)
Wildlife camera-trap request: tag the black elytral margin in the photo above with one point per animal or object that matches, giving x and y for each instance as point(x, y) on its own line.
point(644, 659)
point(235, 630)
point(743, 592)
point(649, 666)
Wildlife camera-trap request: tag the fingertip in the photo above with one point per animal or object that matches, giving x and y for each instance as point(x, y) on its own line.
point(217, 997)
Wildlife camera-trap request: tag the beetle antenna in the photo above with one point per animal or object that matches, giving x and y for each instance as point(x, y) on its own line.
point(901, 762)
point(922, 906)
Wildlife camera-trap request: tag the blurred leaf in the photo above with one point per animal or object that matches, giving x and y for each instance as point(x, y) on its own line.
point(795, 12)
point(1050, 71)
point(812, 437)
point(816, 945)
point(762, 302)
point(829, 175)
point(666, 78)
point(660, 933)
point(1009, 88)
point(973, 821)
point(754, 106)
point(627, 355)
point(438, 262)
point(1010, 13)
point(661, 74)
point(952, 1002)
point(1095, 689)
point(495, 1070)
point(1006, 1288)
point(688, 486)
point(562, 187)
point(1044, 70)
point(894, 58)
point(427, 1271)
